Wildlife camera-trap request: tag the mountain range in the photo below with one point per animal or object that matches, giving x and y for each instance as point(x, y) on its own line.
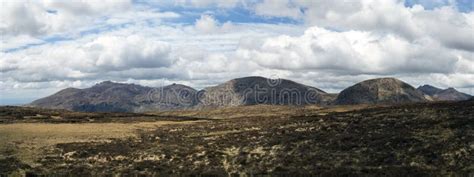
point(119, 97)
point(437, 94)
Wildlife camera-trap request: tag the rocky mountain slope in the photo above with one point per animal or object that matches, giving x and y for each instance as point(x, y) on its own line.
point(449, 94)
point(260, 90)
point(117, 97)
point(380, 91)
point(429, 90)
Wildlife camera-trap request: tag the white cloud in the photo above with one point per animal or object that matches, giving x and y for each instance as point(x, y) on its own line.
point(22, 18)
point(115, 53)
point(339, 44)
point(138, 51)
point(46, 17)
point(88, 7)
point(207, 3)
point(278, 8)
point(86, 59)
point(389, 15)
point(354, 52)
point(447, 25)
point(12, 42)
point(208, 24)
point(444, 23)
point(25, 22)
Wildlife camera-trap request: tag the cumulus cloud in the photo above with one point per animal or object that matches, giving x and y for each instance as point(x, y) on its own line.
point(24, 23)
point(85, 60)
point(115, 53)
point(339, 43)
point(12, 42)
point(46, 17)
point(278, 8)
point(208, 24)
point(445, 24)
point(355, 52)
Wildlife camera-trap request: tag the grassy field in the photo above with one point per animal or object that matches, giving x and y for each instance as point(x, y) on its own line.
point(27, 141)
point(425, 139)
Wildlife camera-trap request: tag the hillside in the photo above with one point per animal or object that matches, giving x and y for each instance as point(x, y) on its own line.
point(449, 94)
point(118, 97)
point(380, 91)
point(260, 90)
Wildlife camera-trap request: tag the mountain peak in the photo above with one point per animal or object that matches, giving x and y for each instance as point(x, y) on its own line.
point(108, 96)
point(380, 90)
point(383, 80)
point(451, 89)
point(429, 89)
point(260, 90)
point(449, 94)
point(250, 78)
point(110, 84)
point(106, 83)
point(111, 96)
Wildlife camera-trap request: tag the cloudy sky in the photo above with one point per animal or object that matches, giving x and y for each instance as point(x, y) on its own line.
point(49, 45)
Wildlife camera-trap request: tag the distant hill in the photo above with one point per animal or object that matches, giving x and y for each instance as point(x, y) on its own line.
point(382, 90)
point(260, 90)
point(449, 94)
point(429, 90)
point(118, 97)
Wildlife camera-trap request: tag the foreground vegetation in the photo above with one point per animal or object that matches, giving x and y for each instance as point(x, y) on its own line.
point(425, 139)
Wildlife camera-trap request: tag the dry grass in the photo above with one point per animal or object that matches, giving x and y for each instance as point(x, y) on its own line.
point(420, 139)
point(27, 141)
point(262, 111)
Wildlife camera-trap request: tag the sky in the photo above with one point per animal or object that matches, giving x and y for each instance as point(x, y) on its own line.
point(49, 45)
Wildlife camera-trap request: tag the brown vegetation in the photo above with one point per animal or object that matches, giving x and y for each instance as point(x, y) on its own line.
point(424, 139)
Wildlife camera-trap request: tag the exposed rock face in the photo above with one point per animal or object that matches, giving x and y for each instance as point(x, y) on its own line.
point(438, 94)
point(383, 91)
point(117, 97)
point(172, 97)
point(260, 90)
point(429, 90)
